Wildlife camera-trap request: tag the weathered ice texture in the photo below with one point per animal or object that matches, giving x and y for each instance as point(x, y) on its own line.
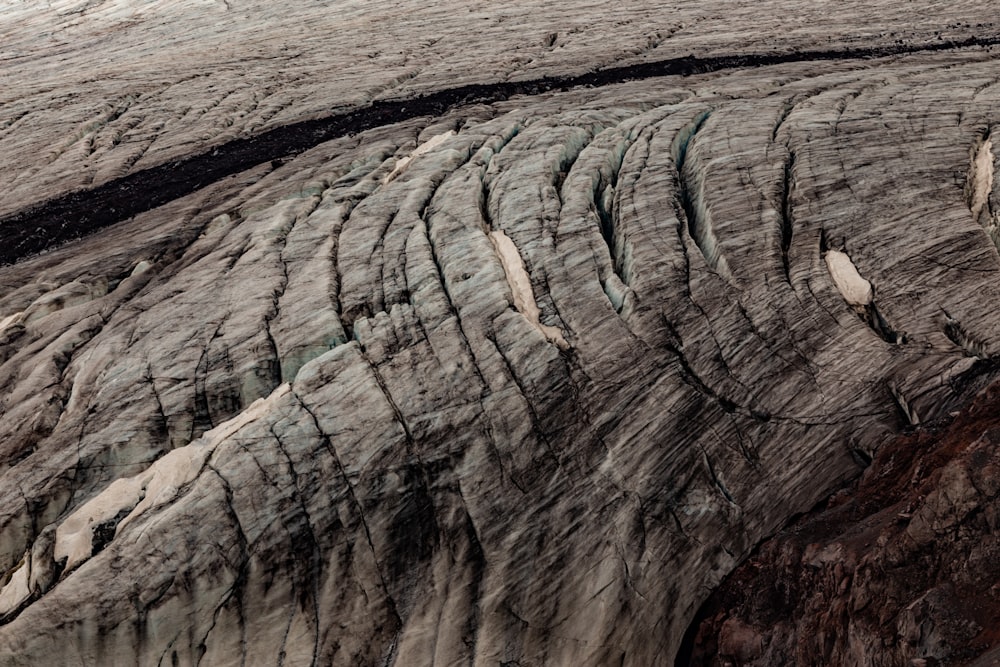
point(518, 381)
point(95, 89)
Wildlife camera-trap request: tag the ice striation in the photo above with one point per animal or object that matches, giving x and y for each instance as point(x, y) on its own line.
point(456, 334)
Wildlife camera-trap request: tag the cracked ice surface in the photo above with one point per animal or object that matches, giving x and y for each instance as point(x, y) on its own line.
point(294, 414)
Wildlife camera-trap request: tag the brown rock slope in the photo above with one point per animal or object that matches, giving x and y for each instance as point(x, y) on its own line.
point(518, 381)
point(903, 569)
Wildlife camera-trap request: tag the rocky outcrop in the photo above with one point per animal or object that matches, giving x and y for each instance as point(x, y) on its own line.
point(516, 379)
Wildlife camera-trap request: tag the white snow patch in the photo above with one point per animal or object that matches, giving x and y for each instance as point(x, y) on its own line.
point(981, 177)
point(75, 535)
point(428, 145)
point(157, 485)
point(16, 591)
point(856, 290)
point(520, 286)
point(10, 319)
point(141, 268)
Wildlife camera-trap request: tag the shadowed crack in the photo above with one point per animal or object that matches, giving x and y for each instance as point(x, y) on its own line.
point(76, 214)
point(689, 188)
point(957, 334)
point(788, 182)
point(871, 316)
point(716, 480)
point(906, 411)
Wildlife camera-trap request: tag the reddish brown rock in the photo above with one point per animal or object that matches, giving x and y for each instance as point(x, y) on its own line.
point(901, 569)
